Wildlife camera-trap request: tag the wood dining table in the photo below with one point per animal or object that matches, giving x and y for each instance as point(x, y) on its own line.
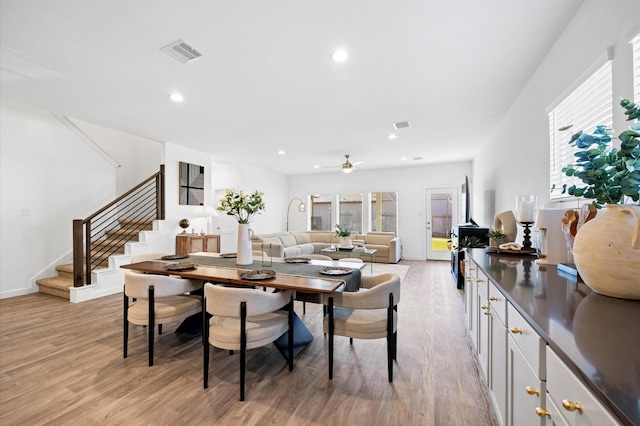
point(217, 269)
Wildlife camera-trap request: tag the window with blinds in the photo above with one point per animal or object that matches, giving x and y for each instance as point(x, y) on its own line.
point(587, 106)
point(636, 68)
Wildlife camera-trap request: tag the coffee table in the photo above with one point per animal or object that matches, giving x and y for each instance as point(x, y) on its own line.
point(367, 252)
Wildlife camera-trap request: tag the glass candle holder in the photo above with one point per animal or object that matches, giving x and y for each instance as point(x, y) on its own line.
point(525, 208)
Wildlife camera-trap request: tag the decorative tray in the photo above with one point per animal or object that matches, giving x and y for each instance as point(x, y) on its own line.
point(299, 259)
point(175, 256)
point(229, 255)
point(346, 248)
point(335, 270)
point(262, 274)
point(183, 266)
point(531, 252)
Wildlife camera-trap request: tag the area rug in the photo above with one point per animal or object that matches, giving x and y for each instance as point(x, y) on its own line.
point(383, 268)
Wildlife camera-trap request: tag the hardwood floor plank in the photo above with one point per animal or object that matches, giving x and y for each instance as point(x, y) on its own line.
point(61, 364)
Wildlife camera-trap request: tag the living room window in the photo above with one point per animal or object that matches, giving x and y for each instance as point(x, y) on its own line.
point(320, 212)
point(384, 211)
point(350, 211)
point(586, 106)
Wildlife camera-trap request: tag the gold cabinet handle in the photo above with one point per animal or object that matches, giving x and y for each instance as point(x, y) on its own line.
point(480, 280)
point(483, 307)
point(541, 412)
point(515, 330)
point(493, 298)
point(532, 391)
point(487, 312)
point(572, 406)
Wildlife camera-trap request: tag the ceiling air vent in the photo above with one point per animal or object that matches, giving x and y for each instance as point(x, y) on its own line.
point(181, 51)
point(401, 124)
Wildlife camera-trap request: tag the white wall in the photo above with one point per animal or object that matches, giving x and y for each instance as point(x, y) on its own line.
point(517, 158)
point(139, 158)
point(220, 176)
point(48, 177)
point(410, 183)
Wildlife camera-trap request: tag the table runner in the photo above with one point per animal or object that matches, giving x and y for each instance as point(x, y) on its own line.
point(352, 280)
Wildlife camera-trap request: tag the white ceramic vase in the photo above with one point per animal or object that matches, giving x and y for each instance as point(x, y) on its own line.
point(244, 252)
point(345, 242)
point(606, 252)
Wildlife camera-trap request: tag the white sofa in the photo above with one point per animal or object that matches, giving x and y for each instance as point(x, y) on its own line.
point(299, 243)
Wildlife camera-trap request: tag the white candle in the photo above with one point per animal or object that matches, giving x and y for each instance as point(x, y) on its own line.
point(525, 207)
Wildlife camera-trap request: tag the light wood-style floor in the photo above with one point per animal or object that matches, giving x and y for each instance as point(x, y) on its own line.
point(61, 364)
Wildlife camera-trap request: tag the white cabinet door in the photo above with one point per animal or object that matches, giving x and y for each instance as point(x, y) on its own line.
point(578, 405)
point(483, 325)
point(472, 287)
point(498, 367)
point(525, 391)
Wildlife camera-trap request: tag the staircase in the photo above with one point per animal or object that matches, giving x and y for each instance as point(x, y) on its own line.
point(113, 243)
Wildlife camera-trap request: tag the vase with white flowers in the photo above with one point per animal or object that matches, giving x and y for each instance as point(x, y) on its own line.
point(243, 207)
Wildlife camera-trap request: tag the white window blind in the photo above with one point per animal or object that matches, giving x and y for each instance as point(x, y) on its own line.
point(636, 68)
point(589, 105)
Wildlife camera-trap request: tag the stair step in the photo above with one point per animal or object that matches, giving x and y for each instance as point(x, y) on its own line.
point(56, 286)
point(136, 222)
point(116, 238)
point(110, 243)
point(132, 233)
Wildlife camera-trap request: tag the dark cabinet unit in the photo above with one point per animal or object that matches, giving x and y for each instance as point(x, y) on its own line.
point(458, 234)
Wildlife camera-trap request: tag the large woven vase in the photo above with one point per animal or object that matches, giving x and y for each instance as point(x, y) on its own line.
point(606, 252)
point(244, 253)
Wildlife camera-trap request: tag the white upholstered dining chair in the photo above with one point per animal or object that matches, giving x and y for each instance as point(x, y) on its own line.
point(243, 318)
point(159, 300)
point(369, 313)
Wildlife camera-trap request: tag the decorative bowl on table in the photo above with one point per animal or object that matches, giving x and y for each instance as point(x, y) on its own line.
point(261, 274)
point(335, 270)
point(175, 256)
point(182, 266)
point(297, 259)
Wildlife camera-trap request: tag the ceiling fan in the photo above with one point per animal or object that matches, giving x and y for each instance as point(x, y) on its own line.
point(348, 166)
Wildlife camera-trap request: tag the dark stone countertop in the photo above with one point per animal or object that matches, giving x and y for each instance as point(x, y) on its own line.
point(598, 337)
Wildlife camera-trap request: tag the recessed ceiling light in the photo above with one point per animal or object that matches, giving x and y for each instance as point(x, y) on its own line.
point(403, 158)
point(339, 55)
point(176, 97)
point(393, 136)
point(281, 152)
point(316, 166)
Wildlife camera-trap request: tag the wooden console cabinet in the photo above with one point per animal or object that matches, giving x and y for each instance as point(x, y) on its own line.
point(191, 243)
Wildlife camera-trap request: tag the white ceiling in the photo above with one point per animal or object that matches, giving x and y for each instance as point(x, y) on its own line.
point(265, 83)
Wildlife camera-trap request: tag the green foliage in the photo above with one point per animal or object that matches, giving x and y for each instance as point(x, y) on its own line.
point(609, 174)
point(472, 242)
point(342, 231)
point(496, 234)
point(242, 206)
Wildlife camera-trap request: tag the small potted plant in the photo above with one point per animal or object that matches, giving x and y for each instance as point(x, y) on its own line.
point(344, 232)
point(496, 237)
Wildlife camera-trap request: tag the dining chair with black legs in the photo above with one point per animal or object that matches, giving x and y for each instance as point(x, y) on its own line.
point(237, 318)
point(158, 300)
point(369, 313)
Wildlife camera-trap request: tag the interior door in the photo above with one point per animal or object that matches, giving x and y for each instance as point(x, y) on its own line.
point(441, 208)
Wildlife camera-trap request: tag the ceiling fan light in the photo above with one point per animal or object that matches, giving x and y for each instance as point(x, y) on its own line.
point(347, 168)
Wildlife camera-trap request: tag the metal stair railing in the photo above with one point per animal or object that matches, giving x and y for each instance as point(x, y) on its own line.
point(106, 231)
